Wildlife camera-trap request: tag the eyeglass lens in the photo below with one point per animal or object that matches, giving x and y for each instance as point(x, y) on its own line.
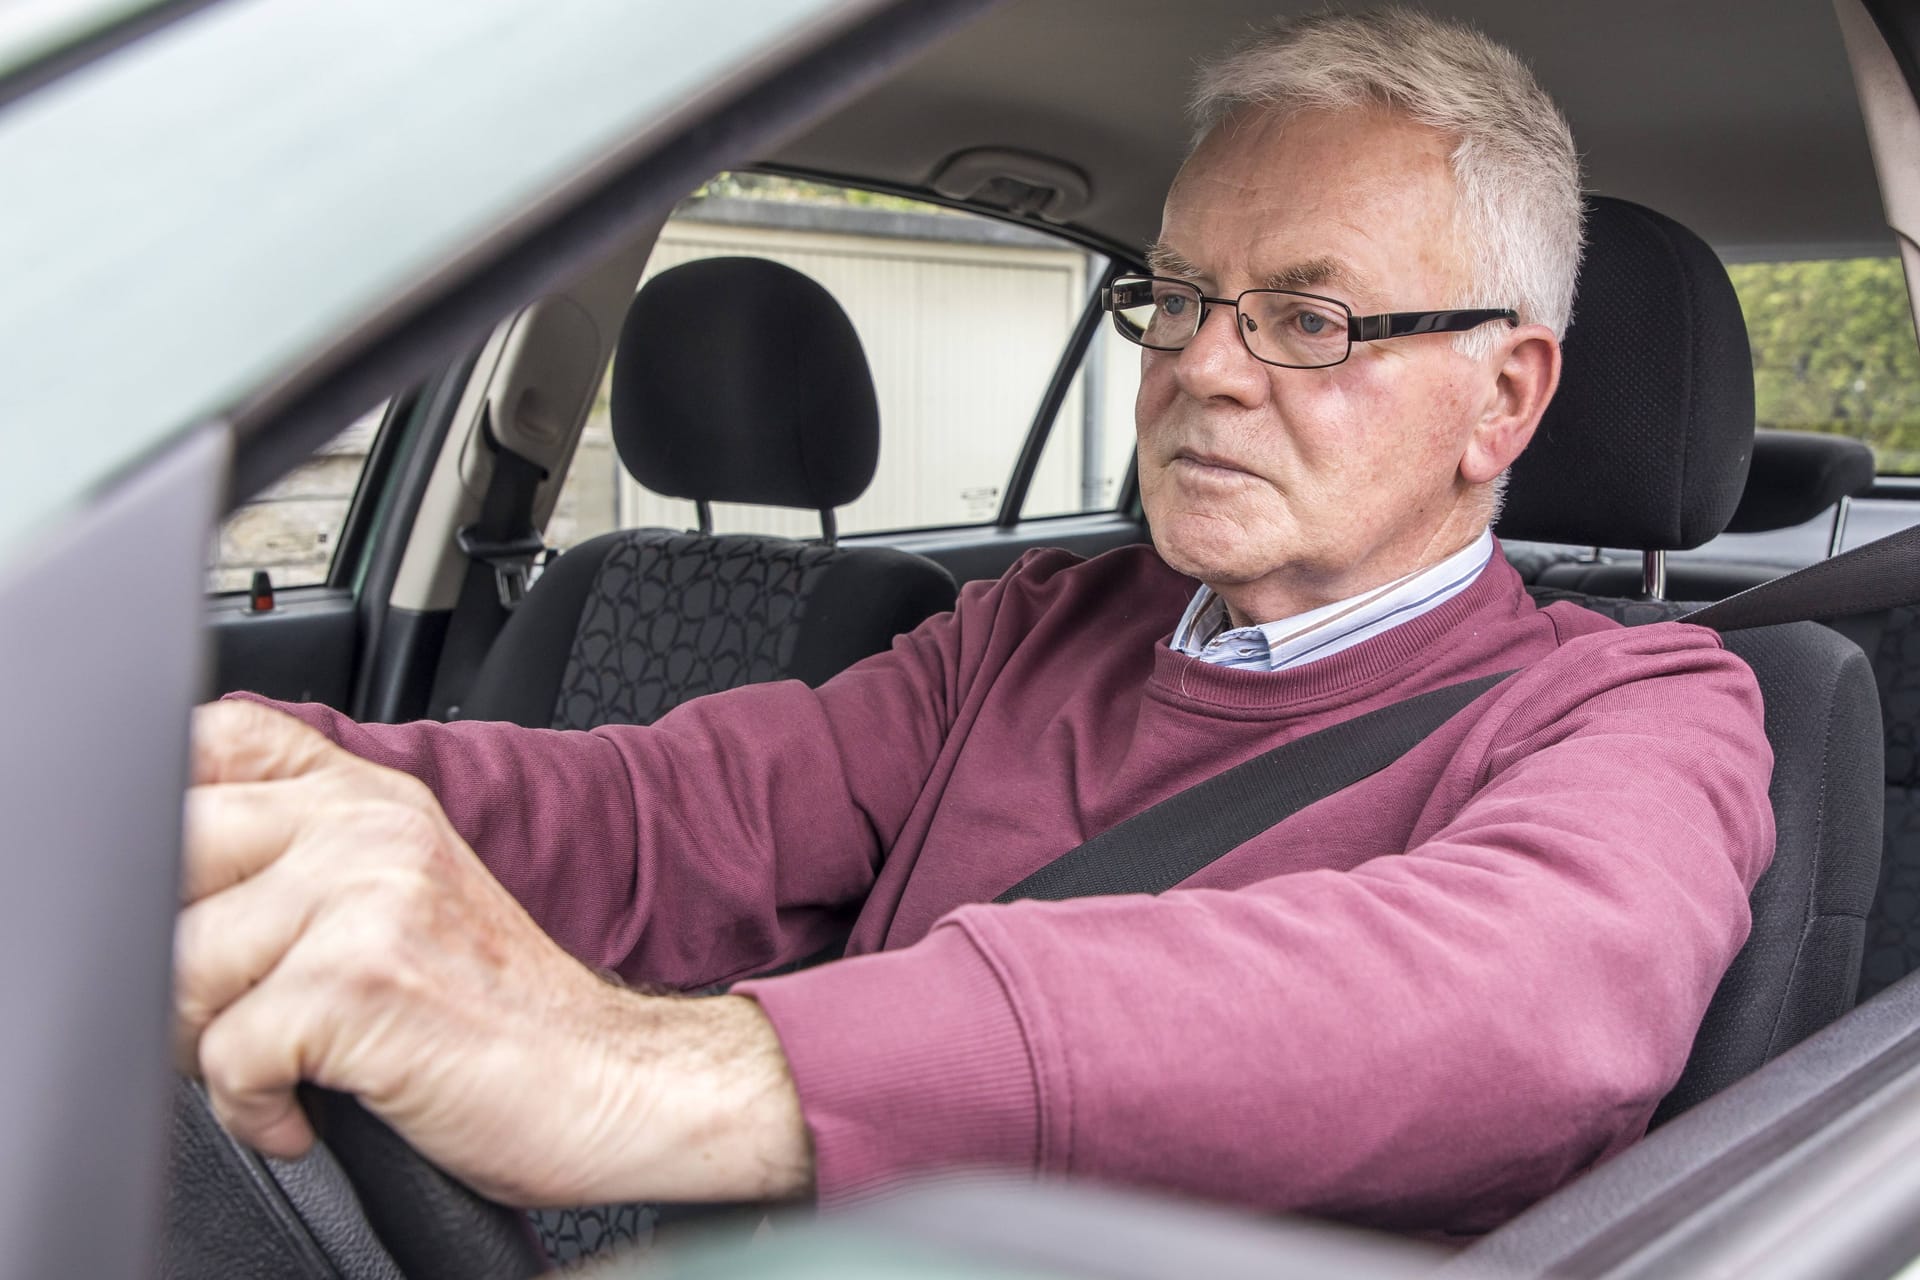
point(1284, 328)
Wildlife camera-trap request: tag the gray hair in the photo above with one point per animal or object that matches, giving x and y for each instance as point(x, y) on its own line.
point(1513, 161)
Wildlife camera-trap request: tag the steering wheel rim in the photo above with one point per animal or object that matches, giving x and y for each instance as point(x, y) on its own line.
point(434, 1226)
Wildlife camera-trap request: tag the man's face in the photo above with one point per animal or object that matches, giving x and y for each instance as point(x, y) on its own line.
point(1288, 488)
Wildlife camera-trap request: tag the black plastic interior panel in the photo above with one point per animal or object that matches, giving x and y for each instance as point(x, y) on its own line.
point(397, 673)
point(302, 650)
point(96, 687)
point(985, 553)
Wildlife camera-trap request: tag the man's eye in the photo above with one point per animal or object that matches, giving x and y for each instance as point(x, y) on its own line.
point(1173, 305)
point(1311, 323)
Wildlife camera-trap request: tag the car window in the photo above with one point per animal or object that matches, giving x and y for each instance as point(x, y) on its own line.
point(1834, 350)
point(963, 319)
point(1090, 447)
point(292, 528)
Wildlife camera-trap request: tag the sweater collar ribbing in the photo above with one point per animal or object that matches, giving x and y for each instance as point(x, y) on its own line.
point(1495, 600)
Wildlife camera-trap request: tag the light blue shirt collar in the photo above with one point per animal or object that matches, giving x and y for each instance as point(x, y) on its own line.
point(1205, 631)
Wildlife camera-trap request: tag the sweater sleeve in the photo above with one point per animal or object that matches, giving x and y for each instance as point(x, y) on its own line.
point(1428, 1041)
point(739, 832)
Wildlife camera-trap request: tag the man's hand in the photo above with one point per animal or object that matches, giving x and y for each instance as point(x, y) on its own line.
point(337, 929)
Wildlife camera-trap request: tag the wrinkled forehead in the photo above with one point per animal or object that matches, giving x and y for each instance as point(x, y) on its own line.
point(1363, 200)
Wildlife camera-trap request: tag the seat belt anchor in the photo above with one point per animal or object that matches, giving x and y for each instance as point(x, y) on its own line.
point(513, 561)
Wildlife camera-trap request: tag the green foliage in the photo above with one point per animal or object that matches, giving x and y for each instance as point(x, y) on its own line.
point(1833, 350)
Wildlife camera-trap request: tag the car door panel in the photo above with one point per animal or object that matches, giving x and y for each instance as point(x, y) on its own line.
point(303, 649)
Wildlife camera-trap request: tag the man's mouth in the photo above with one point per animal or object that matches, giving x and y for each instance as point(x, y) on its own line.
point(1207, 461)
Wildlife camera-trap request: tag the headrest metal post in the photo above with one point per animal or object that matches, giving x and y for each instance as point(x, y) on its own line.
point(703, 514)
point(1841, 508)
point(1653, 574)
point(829, 530)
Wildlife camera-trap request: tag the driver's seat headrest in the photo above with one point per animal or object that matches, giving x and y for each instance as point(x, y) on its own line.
point(741, 380)
point(1646, 444)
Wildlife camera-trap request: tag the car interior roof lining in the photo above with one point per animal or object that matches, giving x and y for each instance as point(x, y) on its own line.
point(1774, 96)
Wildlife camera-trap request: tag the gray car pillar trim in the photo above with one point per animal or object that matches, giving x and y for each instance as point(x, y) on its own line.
point(102, 655)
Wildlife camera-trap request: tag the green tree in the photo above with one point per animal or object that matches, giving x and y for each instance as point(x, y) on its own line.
point(1833, 350)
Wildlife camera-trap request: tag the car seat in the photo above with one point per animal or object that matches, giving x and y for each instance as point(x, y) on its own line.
point(735, 380)
point(1794, 477)
point(1646, 446)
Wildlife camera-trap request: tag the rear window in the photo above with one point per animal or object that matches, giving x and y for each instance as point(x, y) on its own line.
point(963, 319)
point(1834, 350)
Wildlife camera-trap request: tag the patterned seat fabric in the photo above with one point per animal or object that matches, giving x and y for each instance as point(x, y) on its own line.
point(626, 627)
point(672, 616)
point(569, 1235)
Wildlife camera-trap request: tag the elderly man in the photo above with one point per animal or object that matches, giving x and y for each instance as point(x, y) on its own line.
point(1422, 1002)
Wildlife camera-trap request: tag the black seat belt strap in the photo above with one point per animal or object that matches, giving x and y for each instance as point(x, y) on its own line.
point(503, 538)
point(1873, 576)
point(1164, 845)
point(502, 548)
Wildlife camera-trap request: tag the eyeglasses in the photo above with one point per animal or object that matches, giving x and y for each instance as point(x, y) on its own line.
point(1278, 326)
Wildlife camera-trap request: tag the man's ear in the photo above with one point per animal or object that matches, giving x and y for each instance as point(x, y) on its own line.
point(1526, 370)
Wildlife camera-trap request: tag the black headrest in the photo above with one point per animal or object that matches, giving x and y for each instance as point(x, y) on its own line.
point(740, 380)
point(1646, 442)
point(1798, 474)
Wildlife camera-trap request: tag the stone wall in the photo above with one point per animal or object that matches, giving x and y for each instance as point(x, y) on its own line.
point(290, 529)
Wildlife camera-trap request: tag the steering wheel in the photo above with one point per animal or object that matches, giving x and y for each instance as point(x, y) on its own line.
point(376, 1210)
point(434, 1226)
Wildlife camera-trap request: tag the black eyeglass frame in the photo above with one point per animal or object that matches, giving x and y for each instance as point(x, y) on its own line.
point(1374, 328)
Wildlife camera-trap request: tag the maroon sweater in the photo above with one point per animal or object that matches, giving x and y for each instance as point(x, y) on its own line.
point(1423, 1002)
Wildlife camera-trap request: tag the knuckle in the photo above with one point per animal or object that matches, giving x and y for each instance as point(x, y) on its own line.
point(192, 1008)
point(238, 732)
point(192, 987)
point(371, 981)
point(350, 776)
point(379, 940)
point(409, 790)
point(226, 1061)
point(408, 836)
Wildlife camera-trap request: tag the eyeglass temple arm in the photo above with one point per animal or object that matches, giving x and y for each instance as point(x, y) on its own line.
point(1399, 324)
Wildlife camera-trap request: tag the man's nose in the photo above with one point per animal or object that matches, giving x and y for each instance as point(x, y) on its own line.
point(1217, 363)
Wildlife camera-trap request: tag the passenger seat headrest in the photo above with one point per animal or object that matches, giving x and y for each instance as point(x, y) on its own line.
point(741, 380)
point(1646, 443)
point(1798, 474)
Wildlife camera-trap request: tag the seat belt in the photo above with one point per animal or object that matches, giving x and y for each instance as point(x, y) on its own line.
point(1877, 575)
point(1170, 842)
point(1158, 848)
point(502, 548)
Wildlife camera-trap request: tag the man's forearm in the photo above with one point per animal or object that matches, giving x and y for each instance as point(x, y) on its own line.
point(718, 1117)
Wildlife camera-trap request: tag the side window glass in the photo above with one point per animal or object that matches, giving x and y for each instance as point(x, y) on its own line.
point(963, 319)
point(291, 529)
point(1090, 447)
point(1834, 350)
